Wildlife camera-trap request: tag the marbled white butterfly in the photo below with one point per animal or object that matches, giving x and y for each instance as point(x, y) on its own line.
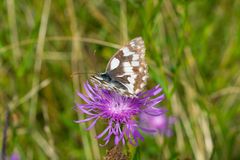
point(126, 72)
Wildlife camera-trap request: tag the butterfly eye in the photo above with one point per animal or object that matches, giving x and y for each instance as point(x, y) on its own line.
point(106, 77)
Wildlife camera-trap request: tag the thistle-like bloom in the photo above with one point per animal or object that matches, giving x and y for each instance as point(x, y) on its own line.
point(120, 112)
point(15, 156)
point(160, 124)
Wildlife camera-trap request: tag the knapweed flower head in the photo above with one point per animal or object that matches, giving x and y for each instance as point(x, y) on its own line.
point(14, 156)
point(160, 124)
point(120, 112)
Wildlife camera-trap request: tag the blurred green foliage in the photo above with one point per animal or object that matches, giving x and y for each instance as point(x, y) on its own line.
point(193, 51)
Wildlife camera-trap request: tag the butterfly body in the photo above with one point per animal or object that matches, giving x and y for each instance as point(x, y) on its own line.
point(126, 72)
point(104, 80)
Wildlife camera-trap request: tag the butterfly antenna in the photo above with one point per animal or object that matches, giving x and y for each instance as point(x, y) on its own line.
point(81, 73)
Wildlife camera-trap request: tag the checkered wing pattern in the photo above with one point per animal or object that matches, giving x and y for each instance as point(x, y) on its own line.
point(128, 67)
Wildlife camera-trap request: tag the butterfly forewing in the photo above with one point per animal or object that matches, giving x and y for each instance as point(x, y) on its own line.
point(129, 68)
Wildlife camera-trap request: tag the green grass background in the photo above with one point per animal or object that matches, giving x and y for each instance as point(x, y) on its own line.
point(193, 52)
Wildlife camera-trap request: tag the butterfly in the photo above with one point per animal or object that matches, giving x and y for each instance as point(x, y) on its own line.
point(126, 72)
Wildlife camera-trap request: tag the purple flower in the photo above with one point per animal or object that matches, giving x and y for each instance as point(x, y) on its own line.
point(15, 156)
point(120, 112)
point(160, 123)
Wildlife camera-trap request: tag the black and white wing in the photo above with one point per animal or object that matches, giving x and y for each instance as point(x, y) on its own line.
point(128, 67)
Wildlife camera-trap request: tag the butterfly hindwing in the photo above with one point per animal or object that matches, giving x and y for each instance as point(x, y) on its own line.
point(129, 68)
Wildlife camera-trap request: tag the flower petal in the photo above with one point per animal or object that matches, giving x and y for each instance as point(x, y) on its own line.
point(137, 135)
point(154, 111)
point(85, 120)
point(103, 133)
point(116, 140)
point(148, 130)
point(84, 98)
point(155, 101)
point(80, 107)
point(152, 92)
point(90, 95)
point(93, 123)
